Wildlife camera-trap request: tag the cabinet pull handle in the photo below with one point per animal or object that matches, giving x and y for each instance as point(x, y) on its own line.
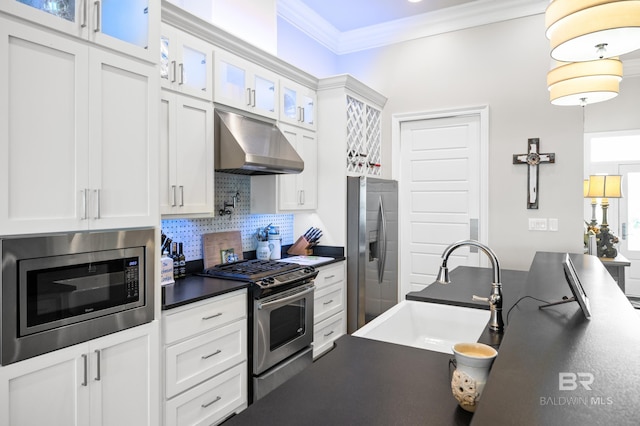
point(173, 192)
point(181, 195)
point(97, 365)
point(328, 277)
point(329, 334)
point(84, 205)
point(212, 316)
point(302, 111)
point(96, 4)
point(83, 24)
point(86, 366)
point(210, 355)
point(329, 302)
point(253, 98)
point(207, 404)
point(97, 194)
point(181, 66)
point(248, 96)
point(173, 66)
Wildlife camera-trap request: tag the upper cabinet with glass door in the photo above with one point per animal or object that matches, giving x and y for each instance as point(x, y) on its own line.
point(297, 104)
point(125, 26)
point(244, 85)
point(185, 63)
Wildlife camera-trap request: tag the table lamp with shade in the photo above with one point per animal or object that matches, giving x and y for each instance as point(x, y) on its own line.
point(605, 187)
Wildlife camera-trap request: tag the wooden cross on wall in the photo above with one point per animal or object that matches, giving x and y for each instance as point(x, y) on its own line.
point(532, 158)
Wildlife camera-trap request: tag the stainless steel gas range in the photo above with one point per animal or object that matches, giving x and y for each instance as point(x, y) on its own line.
point(281, 319)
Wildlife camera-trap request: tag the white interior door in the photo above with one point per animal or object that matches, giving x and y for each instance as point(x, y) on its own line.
point(440, 193)
point(630, 225)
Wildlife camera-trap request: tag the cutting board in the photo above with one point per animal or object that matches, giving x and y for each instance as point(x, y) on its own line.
point(215, 242)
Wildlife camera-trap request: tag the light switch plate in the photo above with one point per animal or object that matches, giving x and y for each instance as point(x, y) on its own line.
point(553, 224)
point(536, 224)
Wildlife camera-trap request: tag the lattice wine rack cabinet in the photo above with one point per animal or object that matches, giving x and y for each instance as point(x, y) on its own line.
point(363, 138)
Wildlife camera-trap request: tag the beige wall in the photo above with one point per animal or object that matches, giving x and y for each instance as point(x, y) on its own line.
point(503, 65)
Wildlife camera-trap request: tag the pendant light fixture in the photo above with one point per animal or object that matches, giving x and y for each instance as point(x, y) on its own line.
point(585, 30)
point(582, 83)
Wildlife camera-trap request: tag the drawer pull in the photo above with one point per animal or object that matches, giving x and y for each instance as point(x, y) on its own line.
point(329, 334)
point(328, 277)
point(329, 302)
point(212, 316)
point(210, 355)
point(207, 404)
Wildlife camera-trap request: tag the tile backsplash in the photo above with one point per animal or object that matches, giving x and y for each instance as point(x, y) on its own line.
point(190, 231)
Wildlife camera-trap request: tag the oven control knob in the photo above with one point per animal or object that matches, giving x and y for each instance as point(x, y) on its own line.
point(309, 269)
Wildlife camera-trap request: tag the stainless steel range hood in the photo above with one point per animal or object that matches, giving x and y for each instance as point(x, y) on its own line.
point(247, 146)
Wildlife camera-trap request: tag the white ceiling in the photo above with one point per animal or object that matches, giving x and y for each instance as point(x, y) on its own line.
point(347, 15)
point(345, 26)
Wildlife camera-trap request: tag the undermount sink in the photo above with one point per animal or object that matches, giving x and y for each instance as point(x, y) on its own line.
point(424, 325)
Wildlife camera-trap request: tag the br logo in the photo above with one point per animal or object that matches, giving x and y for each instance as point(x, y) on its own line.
point(569, 381)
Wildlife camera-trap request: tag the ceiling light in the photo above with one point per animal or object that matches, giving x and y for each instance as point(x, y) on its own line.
point(584, 30)
point(582, 83)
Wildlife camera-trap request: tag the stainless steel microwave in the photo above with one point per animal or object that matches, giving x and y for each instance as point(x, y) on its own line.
point(64, 289)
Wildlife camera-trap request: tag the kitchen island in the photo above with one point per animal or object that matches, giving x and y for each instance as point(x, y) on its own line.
point(375, 383)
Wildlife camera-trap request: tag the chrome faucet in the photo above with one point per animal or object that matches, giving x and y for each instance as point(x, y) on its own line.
point(495, 298)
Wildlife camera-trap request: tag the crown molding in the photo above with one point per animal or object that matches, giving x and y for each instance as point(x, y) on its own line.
point(347, 81)
point(480, 12)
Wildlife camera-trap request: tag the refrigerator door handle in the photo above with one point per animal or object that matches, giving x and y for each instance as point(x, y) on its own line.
point(382, 243)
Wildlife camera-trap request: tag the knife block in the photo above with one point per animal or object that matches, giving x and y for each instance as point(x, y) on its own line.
point(300, 247)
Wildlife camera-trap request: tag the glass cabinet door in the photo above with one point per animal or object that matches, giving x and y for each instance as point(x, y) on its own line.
point(125, 26)
point(265, 95)
point(124, 20)
point(185, 63)
point(232, 84)
point(244, 85)
point(298, 105)
point(290, 104)
point(65, 9)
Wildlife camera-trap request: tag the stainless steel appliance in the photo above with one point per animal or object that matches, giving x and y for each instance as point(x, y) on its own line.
point(245, 145)
point(372, 249)
point(60, 290)
point(281, 323)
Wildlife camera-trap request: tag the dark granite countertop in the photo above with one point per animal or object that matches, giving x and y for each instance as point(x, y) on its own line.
point(195, 288)
point(540, 345)
point(375, 383)
point(363, 382)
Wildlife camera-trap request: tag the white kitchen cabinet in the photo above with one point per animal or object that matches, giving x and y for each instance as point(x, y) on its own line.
point(329, 307)
point(110, 381)
point(297, 104)
point(186, 155)
point(76, 141)
point(289, 192)
point(244, 85)
point(123, 26)
point(185, 63)
point(205, 360)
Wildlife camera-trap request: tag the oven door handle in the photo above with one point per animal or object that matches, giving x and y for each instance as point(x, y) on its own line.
point(287, 299)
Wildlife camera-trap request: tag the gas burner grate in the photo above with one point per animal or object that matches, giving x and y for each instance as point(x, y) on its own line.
point(249, 270)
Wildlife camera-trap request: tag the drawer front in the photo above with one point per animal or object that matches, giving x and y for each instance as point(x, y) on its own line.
point(328, 301)
point(195, 360)
point(212, 401)
point(326, 332)
point(331, 274)
point(204, 316)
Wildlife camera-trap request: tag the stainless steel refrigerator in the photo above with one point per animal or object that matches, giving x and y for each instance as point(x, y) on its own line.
point(372, 249)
